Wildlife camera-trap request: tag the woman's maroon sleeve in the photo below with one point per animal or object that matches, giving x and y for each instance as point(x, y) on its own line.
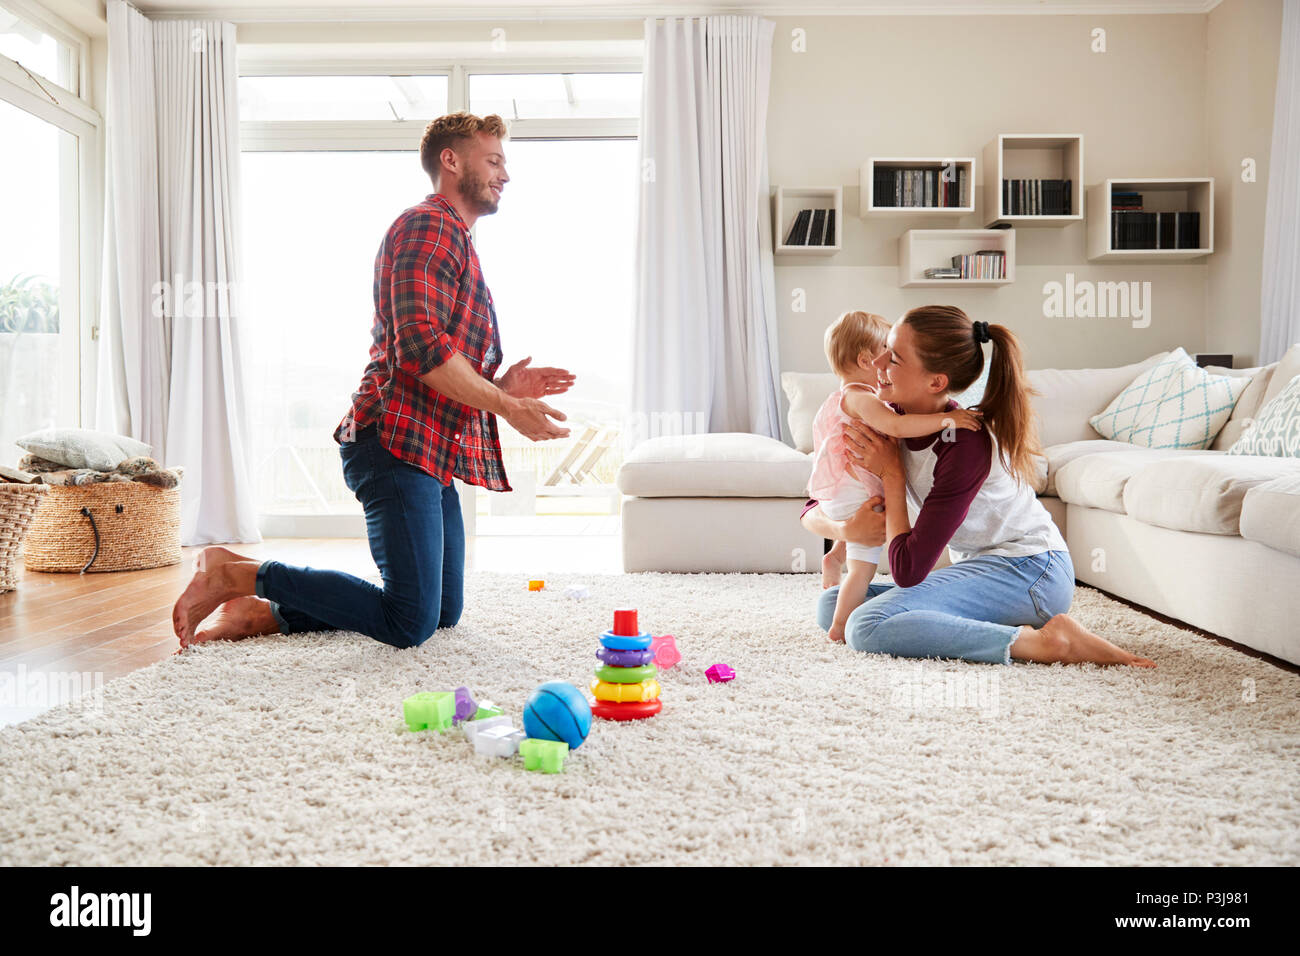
point(960, 470)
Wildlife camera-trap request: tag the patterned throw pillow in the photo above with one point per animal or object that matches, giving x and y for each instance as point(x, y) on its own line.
point(1276, 429)
point(1173, 404)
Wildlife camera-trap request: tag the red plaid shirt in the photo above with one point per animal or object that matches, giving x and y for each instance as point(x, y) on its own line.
point(430, 303)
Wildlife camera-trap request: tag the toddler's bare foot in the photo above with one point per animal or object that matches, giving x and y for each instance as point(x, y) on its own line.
point(832, 570)
point(836, 633)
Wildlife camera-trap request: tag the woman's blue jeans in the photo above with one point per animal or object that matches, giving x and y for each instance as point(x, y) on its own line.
point(971, 610)
point(417, 538)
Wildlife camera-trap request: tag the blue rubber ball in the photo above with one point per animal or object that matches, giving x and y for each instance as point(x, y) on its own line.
point(558, 711)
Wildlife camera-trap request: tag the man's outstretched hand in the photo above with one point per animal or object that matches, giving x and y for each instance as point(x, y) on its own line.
point(532, 419)
point(522, 381)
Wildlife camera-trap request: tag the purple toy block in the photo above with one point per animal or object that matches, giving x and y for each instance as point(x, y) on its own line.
point(466, 707)
point(624, 658)
point(720, 674)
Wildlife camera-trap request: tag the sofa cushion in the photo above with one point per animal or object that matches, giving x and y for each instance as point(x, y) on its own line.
point(1200, 494)
point(1173, 404)
point(1287, 368)
point(1270, 513)
point(82, 447)
point(1247, 404)
point(1276, 428)
point(1097, 480)
point(807, 391)
point(1058, 456)
point(1068, 397)
point(723, 465)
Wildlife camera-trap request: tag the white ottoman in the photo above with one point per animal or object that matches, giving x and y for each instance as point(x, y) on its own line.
point(721, 502)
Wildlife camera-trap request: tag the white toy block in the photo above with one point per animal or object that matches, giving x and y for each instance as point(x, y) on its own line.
point(475, 727)
point(498, 742)
point(577, 592)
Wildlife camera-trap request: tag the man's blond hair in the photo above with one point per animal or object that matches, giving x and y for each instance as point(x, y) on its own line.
point(852, 334)
point(453, 131)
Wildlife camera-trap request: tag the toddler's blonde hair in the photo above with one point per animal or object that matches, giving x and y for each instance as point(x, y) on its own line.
point(852, 334)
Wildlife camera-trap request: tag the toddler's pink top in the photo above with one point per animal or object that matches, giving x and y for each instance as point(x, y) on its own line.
point(831, 457)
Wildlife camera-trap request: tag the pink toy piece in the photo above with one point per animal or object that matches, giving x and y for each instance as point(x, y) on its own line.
point(720, 674)
point(665, 651)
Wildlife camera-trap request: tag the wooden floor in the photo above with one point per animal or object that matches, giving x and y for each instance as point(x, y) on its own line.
point(111, 624)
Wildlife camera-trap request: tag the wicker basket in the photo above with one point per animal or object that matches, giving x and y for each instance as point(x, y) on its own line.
point(18, 503)
point(113, 526)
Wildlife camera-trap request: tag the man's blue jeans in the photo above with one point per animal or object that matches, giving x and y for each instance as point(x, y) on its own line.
point(971, 610)
point(417, 538)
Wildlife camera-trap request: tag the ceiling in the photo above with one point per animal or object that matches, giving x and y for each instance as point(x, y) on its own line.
point(245, 10)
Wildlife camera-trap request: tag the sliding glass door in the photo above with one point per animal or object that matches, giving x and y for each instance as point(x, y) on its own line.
point(39, 282)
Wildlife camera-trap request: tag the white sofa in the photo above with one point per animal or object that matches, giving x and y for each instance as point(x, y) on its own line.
point(1204, 537)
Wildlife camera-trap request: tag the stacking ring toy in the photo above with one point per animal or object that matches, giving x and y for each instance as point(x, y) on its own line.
point(626, 675)
point(633, 710)
point(626, 642)
point(625, 658)
point(622, 693)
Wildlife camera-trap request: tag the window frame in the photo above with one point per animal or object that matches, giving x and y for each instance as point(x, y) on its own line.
point(382, 135)
point(80, 222)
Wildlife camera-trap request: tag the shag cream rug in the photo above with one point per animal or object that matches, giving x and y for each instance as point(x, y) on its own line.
point(290, 750)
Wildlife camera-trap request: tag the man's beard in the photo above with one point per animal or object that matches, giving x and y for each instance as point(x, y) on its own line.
point(476, 193)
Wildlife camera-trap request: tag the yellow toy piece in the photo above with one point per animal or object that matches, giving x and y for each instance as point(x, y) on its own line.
point(622, 693)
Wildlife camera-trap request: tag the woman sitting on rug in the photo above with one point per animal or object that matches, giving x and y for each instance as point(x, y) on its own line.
point(1006, 596)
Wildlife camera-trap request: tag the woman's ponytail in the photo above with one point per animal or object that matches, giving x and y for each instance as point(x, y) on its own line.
point(950, 344)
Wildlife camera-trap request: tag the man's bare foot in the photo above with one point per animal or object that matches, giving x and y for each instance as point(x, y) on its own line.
point(220, 575)
point(243, 617)
point(832, 569)
point(1066, 640)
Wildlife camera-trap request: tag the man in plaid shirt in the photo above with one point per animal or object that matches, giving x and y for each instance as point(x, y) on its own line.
point(425, 412)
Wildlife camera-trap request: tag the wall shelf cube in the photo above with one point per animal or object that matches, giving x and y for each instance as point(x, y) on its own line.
point(789, 201)
point(1032, 156)
point(1158, 196)
point(961, 169)
point(921, 249)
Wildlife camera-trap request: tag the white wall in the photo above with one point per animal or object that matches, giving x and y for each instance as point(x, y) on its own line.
point(936, 86)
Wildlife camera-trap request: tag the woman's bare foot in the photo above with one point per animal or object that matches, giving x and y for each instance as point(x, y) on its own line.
point(1066, 640)
point(220, 575)
point(243, 617)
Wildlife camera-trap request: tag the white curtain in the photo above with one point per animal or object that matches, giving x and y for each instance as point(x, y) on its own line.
point(1280, 295)
point(171, 369)
point(705, 328)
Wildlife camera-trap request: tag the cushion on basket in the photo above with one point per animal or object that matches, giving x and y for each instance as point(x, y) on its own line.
point(82, 447)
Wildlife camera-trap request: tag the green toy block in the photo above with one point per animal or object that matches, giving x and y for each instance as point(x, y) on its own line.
point(429, 710)
point(544, 755)
point(487, 710)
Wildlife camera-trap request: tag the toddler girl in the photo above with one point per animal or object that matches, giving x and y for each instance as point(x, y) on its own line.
point(852, 342)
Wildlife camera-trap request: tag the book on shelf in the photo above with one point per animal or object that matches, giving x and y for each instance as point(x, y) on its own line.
point(818, 227)
point(898, 187)
point(943, 272)
point(1154, 231)
point(829, 238)
point(799, 231)
point(1037, 197)
point(984, 264)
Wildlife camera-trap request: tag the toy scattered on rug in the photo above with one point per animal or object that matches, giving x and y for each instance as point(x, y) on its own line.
point(140, 468)
point(558, 711)
point(720, 674)
point(624, 686)
point(577, 591)
point(665, 651)
point(536, 585)
point(557, 719)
